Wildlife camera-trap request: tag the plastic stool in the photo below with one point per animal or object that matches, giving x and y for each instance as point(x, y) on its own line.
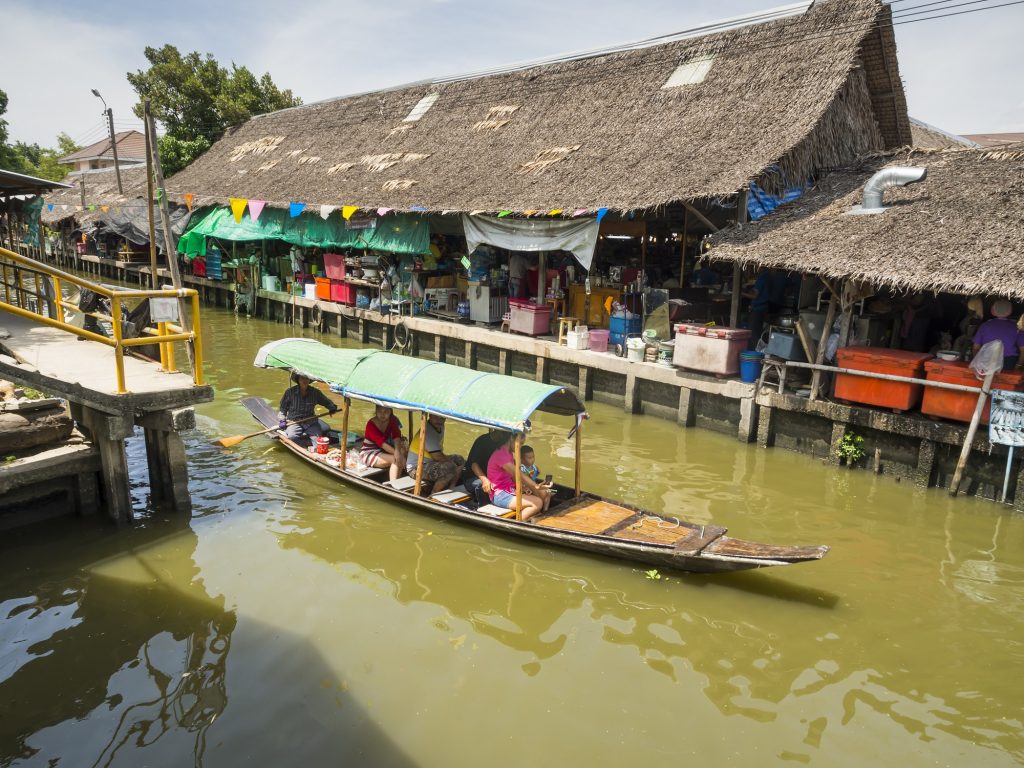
point(506, 321)
point(565, 324)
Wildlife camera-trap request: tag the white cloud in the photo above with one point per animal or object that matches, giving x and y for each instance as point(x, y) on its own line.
point(957, 71)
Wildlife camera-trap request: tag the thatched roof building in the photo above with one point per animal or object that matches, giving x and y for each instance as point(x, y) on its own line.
point(958, 231)
point(927, 136)
point(100, 189)
point(802, 92)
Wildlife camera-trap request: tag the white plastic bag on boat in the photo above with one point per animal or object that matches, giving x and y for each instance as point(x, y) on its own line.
point(989, 359)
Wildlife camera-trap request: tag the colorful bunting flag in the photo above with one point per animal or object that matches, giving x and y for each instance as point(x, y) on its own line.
point(326, 210)
point(189, 197)
point(256, 208)
point(237, 207)
point(64, 207)
point(503, 214)
point(601, 213)
point(49, 207)
point(92, 207)
point(476, 213)
point(294, 209)
point(383, 211)
point(555, 212)
point(348, 210)
point(417, 208)
point(104, 208)
point(529, 213)
point(579, 212)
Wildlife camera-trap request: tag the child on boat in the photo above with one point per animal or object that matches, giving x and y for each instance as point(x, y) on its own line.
point(529, 465)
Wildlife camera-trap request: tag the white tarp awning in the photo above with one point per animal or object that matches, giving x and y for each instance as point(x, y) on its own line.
point(578, 237)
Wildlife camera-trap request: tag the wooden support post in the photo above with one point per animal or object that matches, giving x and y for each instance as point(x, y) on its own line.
point(838, 433)
point(819, 358)
point(176, 471)
point(586, 384)
point(346, 405)
point(765, 426)
point(737, 287)
point(471, 355)
point(419, 453)
point(631, 402)
point(686, 415)
point(579, 456)
point(108, 433)
point(542, 370)
point(519, 476)
point(682, 249)
point(986, 387)
point(925, 464)
point(153, 459)
point(149, 197)
point(439, 348)
point(505, 362)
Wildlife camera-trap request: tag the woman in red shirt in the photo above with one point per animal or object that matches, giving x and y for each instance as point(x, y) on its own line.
point(383, 444)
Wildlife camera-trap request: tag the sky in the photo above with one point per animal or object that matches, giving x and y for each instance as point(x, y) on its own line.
point(962, 74)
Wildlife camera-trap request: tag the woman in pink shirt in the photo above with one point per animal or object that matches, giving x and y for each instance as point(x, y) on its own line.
point(501, 469)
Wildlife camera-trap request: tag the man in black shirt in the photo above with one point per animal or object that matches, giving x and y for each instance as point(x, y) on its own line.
point(474, 475)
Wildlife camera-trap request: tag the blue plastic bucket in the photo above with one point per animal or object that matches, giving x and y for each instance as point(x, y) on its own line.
point(750, 366)
point(619, 327)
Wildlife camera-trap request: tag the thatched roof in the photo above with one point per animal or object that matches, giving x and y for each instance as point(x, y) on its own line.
point(100, 189)
point(958, 231)
point(806, 92)
point(929, 137)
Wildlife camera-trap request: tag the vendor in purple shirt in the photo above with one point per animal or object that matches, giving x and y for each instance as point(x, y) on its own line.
point(1002, 328)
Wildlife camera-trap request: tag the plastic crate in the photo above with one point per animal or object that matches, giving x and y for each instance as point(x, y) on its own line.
point(900, 396)
point(530, 319)
point(959, 406)
point(343, 293)
point(323, 288)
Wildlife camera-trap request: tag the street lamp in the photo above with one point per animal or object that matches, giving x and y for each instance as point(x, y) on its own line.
point(113, 143)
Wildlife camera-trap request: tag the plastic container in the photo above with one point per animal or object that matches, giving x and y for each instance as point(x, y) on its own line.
point(334, 266)
point(271, 283)
point(899, 396)
point(323, 288)
point(665, 351)
point(322, 444)
point(714, 349)
point(635, 349)
point(619, 327)
point(530, 319)
point(577, 339)
point(309, 290)
point(342, 292)
point(959, 406)
point(598, 340)
point(785, 344)
point(750, 366)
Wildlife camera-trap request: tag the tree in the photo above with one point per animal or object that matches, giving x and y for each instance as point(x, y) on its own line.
point(196, 100)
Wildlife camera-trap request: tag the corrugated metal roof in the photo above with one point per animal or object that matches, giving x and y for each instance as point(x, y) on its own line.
point(12, 183)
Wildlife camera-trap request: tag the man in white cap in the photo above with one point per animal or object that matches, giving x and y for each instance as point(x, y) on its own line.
point(1005, 330)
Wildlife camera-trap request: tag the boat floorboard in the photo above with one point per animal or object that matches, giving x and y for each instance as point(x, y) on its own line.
point(586, 516)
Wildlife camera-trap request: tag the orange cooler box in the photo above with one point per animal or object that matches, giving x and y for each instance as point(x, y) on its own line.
point(887, 394)
point(323, 288)
point(960, 406)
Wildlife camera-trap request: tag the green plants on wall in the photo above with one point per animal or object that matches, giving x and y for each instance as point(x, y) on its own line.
point(851, 448)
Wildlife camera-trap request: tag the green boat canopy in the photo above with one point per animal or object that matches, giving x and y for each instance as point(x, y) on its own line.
point(398, 233)
point(412, 383)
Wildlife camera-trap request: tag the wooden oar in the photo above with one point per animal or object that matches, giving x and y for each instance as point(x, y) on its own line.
point(229, 442)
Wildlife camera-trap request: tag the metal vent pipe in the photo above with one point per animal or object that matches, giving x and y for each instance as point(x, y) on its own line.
point(898, 176)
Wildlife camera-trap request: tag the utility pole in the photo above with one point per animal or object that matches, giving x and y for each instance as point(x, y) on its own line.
point(113, 142)
point(149, 196)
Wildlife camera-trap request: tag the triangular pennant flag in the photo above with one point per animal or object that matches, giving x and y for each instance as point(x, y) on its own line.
point(49, 207)
point(237, 207)
point(92, 207)
point(601, 213)
point(529, 212)
point(417, 208)
point(503, 214)
point(445, 212)
point(189, 197)
point(348, 210)
point(325, 210)
point(104, 208)
point(63, 207)
point(579, 212)
point(555, 212)
point(383, 211)
point(256, 208)
point(294, 209)
point(476, 213)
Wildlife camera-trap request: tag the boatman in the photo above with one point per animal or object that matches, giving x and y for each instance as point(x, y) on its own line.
point(298, 403)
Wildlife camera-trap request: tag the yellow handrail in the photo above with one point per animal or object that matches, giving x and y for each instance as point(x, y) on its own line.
point(54, 305)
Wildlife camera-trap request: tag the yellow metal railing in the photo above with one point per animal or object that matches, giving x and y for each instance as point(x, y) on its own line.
point(16, 301)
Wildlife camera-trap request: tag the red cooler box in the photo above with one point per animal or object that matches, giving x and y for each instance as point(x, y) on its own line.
point(343, 293)
point(531, 319)
point(897, 395)
point(959, 406)
point(714, 349)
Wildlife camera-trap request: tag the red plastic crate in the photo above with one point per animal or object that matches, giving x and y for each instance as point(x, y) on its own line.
point(323, 288)
point(959, 406)
point(334, 266)
point(343, 293)
point(897, 395)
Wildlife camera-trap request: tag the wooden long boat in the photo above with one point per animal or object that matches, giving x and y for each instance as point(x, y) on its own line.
point(576, 519)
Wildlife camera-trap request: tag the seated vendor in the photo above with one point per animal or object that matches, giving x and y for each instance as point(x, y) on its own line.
point(383, 444)
point(1005, 330)
point(297, 405)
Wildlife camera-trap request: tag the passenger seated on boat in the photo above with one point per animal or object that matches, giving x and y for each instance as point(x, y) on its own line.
point(474, 474)
point(501, 469)
point(299, 402)
point(383, 444)
point(440, 468)
point(529, 468)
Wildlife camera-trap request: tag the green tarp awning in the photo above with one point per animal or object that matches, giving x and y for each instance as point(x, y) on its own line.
point(397, 233)
point(413, 383)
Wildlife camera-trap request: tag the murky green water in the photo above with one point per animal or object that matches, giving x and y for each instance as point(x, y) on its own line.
point(292, 621)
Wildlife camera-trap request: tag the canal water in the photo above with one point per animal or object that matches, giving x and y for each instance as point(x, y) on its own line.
point(292, 621)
